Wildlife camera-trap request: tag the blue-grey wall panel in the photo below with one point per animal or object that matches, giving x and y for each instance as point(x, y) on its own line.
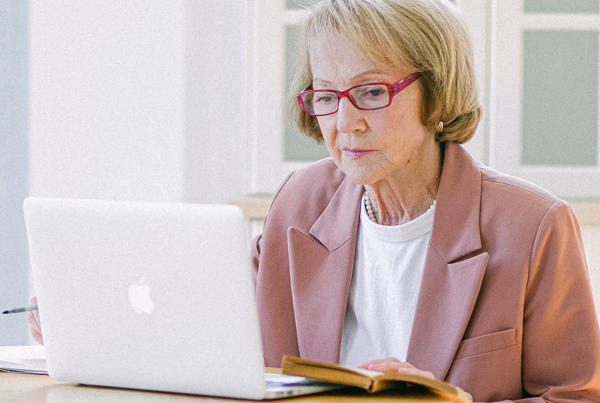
point(14, 266)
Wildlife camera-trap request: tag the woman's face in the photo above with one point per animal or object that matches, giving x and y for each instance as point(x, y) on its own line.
point(370, 145)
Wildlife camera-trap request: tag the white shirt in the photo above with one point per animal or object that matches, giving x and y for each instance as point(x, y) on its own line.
point(388, 267)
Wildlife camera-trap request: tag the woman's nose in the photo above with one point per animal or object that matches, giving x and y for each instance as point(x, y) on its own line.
point(349, 117)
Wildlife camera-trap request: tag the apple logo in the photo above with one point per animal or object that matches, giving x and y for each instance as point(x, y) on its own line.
point(139, 297)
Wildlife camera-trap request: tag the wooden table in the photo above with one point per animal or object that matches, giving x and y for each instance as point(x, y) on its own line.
point(22, 388)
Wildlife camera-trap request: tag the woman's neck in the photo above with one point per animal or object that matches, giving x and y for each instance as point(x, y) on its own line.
point(403, 198)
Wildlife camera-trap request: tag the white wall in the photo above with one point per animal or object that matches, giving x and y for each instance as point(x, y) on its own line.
point(135, 100)
point(216, 161)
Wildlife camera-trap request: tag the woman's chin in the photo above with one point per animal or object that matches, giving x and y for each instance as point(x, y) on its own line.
point(360, 176)
point(360, 171)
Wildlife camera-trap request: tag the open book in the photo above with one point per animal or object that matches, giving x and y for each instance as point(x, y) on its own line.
point(370, 381)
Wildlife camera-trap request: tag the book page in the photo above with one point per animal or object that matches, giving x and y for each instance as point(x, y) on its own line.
point(369, 373)
point(23, 359)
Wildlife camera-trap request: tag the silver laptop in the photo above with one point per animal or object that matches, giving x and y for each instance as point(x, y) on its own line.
point(150, 296)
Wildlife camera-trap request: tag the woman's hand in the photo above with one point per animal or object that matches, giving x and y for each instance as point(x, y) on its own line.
point(33, 318)
point(394, 365)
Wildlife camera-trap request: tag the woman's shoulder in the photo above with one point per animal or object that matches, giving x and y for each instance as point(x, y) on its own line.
point(496, 181)
point(498, 193)
point(519, 196)
point(324, 170)
point(306, 192)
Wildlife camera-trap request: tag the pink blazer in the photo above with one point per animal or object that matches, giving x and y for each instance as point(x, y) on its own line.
point(505, 309)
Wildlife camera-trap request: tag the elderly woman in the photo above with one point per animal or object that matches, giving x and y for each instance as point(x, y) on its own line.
point(401, 252)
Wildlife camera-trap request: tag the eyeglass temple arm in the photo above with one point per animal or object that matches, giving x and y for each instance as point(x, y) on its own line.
point(402, 84)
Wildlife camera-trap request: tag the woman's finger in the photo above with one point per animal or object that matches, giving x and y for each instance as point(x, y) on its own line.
point(377, 362)
point(35, 327)
point(394, 365)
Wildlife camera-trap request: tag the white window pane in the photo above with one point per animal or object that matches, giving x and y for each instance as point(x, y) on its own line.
point(560, 98)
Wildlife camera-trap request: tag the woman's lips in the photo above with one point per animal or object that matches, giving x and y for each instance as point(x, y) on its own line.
point(355, 153)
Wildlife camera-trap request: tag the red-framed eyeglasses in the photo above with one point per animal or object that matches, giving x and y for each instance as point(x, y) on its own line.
point(368, 96)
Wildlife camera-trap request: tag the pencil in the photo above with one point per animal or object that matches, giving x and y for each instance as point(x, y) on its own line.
point(22, 309)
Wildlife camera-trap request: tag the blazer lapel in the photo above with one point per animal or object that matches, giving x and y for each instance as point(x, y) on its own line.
point(446, 300)
point(321, 270)
point(454, 267)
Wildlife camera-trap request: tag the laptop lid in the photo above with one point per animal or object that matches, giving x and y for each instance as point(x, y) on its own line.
point(146, 295)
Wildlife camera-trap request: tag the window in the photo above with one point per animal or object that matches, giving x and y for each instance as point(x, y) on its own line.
point(544, 105)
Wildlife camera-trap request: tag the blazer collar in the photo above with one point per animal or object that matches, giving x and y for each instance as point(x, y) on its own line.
point(342, 214)
point(455, 233)
point(456, 224)
point(454, 266)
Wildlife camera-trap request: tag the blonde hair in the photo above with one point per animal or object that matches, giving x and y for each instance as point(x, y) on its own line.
point(427, 35)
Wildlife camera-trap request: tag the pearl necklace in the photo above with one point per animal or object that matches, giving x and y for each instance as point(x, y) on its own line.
point(371, 209)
